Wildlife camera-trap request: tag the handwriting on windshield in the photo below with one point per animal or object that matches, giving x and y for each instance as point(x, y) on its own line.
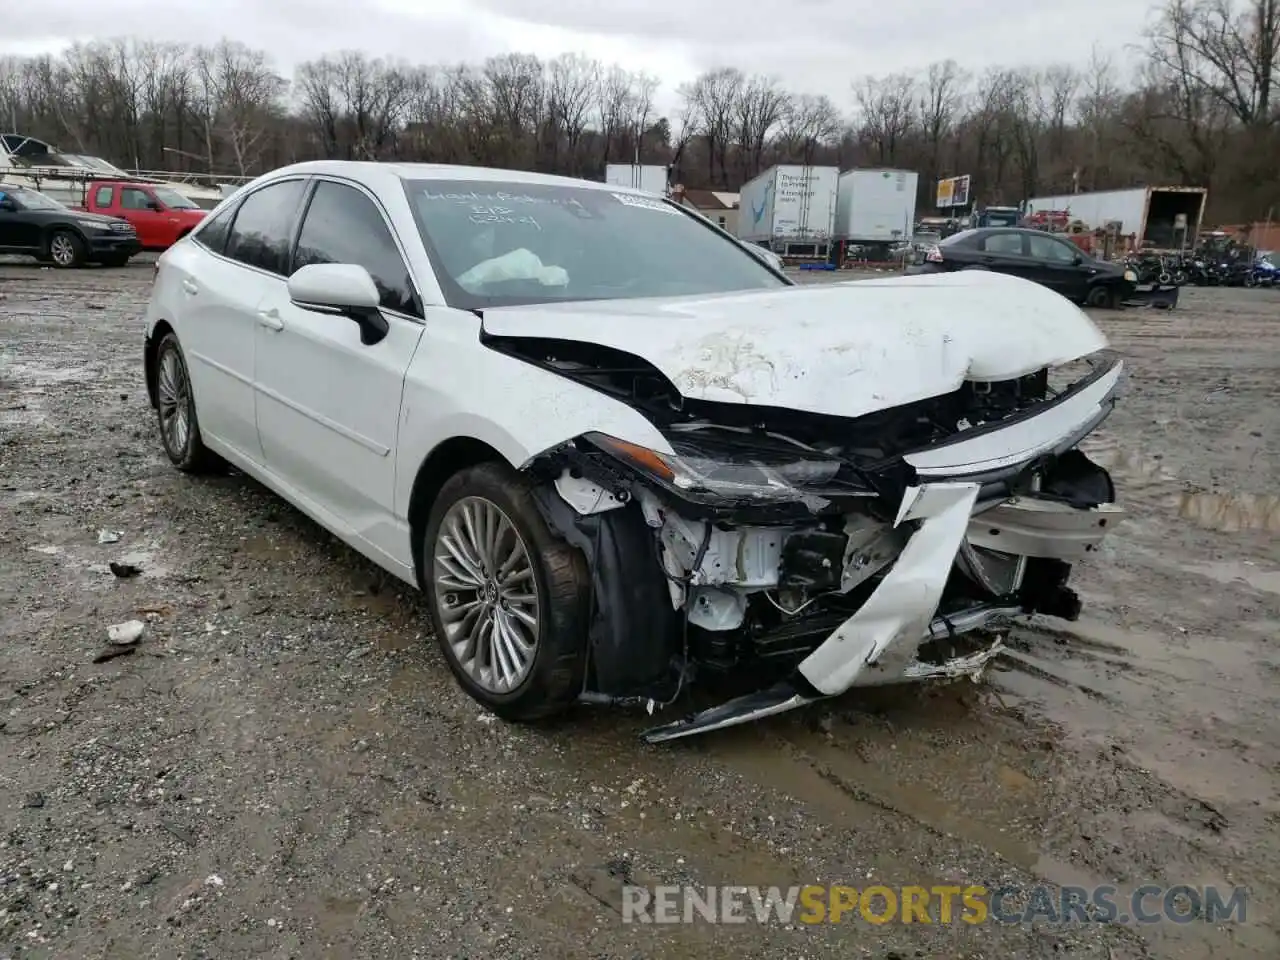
point(484, 214)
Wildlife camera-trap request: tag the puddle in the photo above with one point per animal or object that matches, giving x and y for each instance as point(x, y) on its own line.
point(1231, 513)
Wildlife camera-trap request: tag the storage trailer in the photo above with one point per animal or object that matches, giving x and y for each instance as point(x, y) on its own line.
point(651, 177)
point(875, 208)
point(791, 210)
point(1159, 218)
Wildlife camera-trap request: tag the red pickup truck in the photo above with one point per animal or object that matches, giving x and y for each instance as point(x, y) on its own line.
point(159, 214)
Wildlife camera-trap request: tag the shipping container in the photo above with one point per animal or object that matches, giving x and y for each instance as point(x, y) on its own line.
point(1159, 218)
point(876, 206)
point(791, 209)
point(639, 176)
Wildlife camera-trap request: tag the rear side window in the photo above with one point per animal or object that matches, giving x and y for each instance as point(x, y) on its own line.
point(343, 225)
point(1003, 243)
point(102, 197)
point(263, 227)
point(213, 232)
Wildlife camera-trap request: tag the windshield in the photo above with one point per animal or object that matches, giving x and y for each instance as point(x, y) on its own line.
point(30, 200)
point(501, 243)
point(173, 199)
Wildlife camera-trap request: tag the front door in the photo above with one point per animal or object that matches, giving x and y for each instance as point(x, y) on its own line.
point(136, 207)
point(328, 405)
point(1057, 267)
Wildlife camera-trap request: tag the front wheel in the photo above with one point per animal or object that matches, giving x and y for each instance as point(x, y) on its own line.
point(66, 249)
point(176, 409)
point(509, 600)
point(1101, 297)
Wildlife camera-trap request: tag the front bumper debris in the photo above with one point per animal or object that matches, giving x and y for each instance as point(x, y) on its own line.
point(1160, 295)
point(880, 643)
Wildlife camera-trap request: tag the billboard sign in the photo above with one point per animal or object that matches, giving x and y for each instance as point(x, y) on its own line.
point(953, 192)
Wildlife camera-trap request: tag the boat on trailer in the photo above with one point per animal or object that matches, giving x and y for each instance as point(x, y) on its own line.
point(28, 162)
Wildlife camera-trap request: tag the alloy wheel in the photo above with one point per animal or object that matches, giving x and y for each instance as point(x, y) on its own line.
point(486, 594)
point(173, 392)
point(62, 250)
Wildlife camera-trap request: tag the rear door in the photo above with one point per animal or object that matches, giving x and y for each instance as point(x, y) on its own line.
point(104, 200)
point(221, 279)
point(328, 405)
point(1005, 251)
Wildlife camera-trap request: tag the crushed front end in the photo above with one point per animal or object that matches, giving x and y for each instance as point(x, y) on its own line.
point(786, 557)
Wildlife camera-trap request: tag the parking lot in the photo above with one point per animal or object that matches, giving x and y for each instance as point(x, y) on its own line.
point(285, 768)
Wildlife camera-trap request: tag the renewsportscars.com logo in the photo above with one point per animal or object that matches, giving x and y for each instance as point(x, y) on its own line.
point(940, 904)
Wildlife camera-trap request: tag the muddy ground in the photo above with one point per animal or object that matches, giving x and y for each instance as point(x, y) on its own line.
point(285, 768)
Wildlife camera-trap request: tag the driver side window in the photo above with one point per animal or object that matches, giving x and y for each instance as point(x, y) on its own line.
point(133, 199)
point(1047, 248)
point(342, 225)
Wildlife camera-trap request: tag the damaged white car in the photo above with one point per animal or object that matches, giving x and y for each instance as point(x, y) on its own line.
point(620, 452)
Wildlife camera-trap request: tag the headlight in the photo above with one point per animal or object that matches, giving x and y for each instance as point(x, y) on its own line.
point(94, 225)
point(702, 468)
point(1131, 276)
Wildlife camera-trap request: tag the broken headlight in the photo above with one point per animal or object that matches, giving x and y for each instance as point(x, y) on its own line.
point(703, 468)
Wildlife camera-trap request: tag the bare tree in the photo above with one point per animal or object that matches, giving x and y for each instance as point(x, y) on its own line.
point(885, 113)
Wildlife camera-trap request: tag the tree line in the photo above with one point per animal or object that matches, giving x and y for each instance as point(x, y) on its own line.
point(1191, 103)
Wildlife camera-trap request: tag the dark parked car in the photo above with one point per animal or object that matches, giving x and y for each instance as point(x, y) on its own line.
point(41, 227)
point(1035, 255)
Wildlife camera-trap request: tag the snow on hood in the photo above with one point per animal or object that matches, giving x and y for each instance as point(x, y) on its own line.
point(844, 349)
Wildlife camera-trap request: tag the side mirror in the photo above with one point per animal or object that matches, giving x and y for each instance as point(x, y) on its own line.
point(341, 289)
point(1078, 259)
point(155, 205)
point(6, 203)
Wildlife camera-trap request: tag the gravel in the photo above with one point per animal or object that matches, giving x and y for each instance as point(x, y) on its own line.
point(279, 765)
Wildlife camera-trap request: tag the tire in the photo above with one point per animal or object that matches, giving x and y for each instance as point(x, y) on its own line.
point(66, 249)
point(549, 673)
point(1101, 297)
point(174, 401)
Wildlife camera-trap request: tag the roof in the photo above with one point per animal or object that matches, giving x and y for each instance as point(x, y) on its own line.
point(711, 199)
point(444, 171)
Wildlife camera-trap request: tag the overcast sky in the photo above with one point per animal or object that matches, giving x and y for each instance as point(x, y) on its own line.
point(813, 46)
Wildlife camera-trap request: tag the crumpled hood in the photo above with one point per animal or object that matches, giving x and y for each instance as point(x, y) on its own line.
point(844, 349)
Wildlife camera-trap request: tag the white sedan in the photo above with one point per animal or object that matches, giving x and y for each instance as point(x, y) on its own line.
point(620, 451)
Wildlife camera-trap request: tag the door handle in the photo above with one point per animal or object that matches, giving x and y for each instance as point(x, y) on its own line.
point(190, 287)
point(271, 319)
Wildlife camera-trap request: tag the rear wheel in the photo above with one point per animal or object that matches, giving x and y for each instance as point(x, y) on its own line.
point(509, 600)
point(66, 249)
point(176, 409)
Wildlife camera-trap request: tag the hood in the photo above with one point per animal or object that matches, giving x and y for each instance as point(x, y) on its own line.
point(843, 349)
point(97, 217)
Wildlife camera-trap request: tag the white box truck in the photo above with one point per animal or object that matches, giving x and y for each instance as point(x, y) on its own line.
point(791, 209)
point(651, 177)
point(876, 207)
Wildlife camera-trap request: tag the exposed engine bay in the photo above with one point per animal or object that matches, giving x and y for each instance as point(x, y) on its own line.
point(789, 556)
